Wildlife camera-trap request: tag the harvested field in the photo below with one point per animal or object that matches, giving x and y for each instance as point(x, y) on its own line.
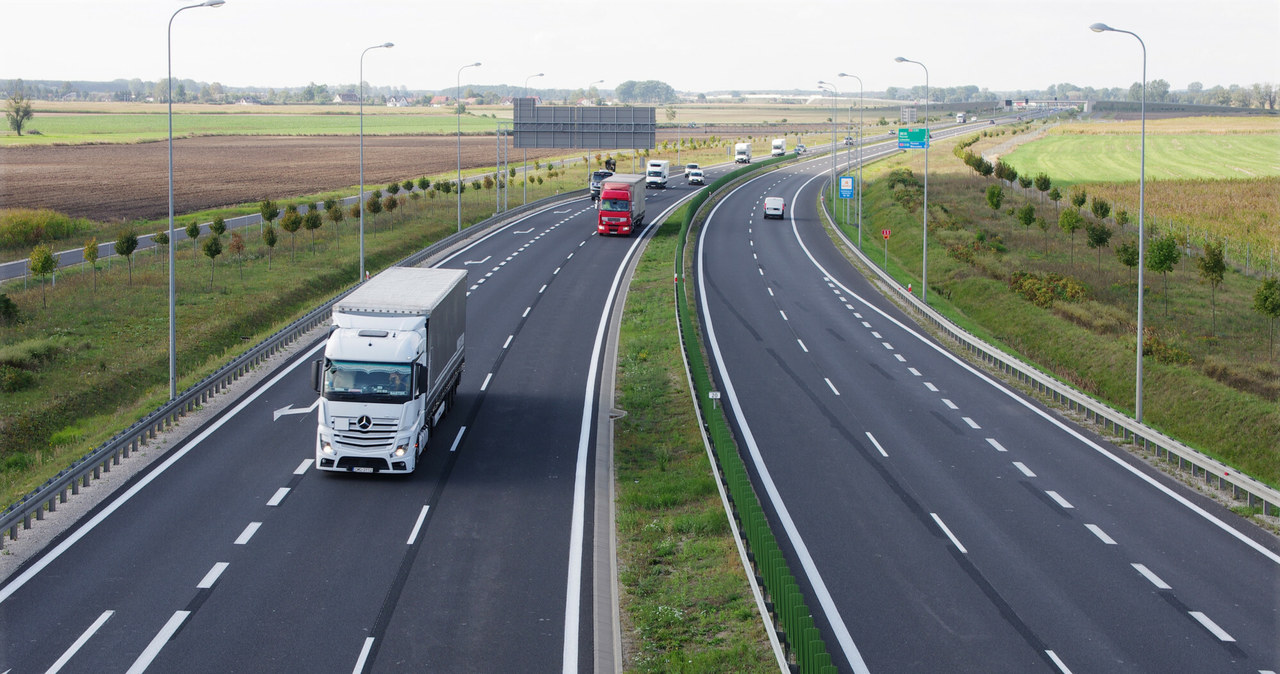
point(128, 182)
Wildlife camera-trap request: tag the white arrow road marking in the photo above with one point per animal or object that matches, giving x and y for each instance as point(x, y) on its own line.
point(526, 231)
point(567, 210)
point(486, 259)
point(288, 409)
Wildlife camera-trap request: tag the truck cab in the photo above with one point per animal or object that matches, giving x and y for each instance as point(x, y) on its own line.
point(742, 153)
point(779, 147)
point(594, 184)
point(656, 173)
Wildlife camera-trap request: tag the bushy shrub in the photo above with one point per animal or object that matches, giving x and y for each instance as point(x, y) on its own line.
point(1042, 291)
point(21, 227)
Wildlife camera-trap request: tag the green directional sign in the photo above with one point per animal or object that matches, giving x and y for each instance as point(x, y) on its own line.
point(913, 139)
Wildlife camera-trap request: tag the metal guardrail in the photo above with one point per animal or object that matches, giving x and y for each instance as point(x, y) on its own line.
point(92, 465)
point(1214, 473)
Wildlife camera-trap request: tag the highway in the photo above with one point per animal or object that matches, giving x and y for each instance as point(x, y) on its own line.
point(233, 554)
point(937, 520)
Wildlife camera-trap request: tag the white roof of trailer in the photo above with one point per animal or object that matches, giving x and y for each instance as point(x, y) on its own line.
point(402, 290)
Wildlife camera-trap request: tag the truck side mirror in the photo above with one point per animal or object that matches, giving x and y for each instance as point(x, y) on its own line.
point(317, 371)
point(420, 376)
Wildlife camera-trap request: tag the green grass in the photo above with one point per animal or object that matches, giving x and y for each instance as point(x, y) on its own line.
point(1072, 159)
point(1220, 399)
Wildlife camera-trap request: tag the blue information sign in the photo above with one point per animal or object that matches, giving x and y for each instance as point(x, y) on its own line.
point(846, 187)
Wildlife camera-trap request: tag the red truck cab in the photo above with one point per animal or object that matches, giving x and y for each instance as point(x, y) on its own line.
point(621, 204)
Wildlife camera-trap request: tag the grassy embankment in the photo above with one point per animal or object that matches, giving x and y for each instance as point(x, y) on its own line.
point(685, 597)
point(1213, 388)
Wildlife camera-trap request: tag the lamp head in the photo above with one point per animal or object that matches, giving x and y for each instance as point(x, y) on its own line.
point(1100, 27)
point(389, 45)
point(538, 75)
point(474, 64)
point(899, 59)
point(214, 3)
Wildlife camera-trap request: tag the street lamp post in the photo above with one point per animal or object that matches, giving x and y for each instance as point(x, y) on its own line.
point(458, 113)
point(360, 199)
point(859, 155)
point(1142, 173)
point(834, 148)
point(525, 173)
point(924, 281)
point(173, 286)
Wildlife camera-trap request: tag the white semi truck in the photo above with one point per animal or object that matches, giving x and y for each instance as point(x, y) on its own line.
point(390, 369)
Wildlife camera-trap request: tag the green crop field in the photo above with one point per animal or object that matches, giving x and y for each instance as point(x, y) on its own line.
point(1072, 159)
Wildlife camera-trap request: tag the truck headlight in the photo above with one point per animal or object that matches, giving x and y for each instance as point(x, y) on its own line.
point(402, 446)
point(326, 447)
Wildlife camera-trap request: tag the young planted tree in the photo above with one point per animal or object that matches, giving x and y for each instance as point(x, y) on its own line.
point(311, 222)
point(424, 183)
point(1078, 197)
point(1024, 182)
point(1026, 215)
point(125, 245)
point(218, 226)
point(1098, 236)
point(212, 249)
point(270, 238)
point(374, 205)
point(1101, 209)
point(995, 196)
point(269, 212)
point(193, 233)
point(1070, 221)
point(291, 222)
point(1163, 256)
point(1055, 195)
point(42, 264)
point(1043, 224)
point(237, 249)
point(1127, 253)
point(407, 185)
point(1043, 184)
point(161, 239)
point(335, 216)
point(91, 256)
point(1266, 301)
point(1122, 217)
point(1213, 268)
point(18, 111)
point(393, 188)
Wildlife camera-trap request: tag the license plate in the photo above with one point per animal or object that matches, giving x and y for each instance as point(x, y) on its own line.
point(362, 469)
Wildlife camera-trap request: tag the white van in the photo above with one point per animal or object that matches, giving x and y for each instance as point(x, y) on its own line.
point(656, 173)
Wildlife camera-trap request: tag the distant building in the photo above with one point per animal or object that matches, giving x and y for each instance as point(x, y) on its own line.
point(440, 101)
point(346, 98)
point(248, 100)
point(399, 101)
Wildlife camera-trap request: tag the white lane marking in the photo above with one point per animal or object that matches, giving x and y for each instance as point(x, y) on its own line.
point(212, 577)
point(950, 404)
point(877, 444)
point(288, 409)
point(866, 324)
point(1062, 666)
point(485, 385)
point(833, 386)
point(102, 515)
point(495, 269)
point(458, 439)
point(914, 372)
point(887, 345)
point(487, 275)
point(526, 312)
point(279, 496)
point(364, 655)
point(1211, 626)
point(584, 242)
point(840, 297)
point(79, 643)
point(857, 315)
point(304, 466)
point(802, 346)
point(162, 637)
point(542, 289)
point(972, 424)
point(486, 259)
point(569, 258)
point(249, 531)
point(1023, 467)
point(947, 531)
point(784, 314)
point(931, 387)
point(508, 342)
point(479, 281)
point(755, 257)
point(557, 271)
point(900, 358)
point(1058, 497)
point(850, 306)
point(761, 271)
point(770, 291)
point(876, 335)
point(997, 445)
point(1102, 535)
point(1151, 576)
point(422, 516)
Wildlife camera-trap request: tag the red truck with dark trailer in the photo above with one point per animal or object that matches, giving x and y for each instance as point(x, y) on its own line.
point(621, 205)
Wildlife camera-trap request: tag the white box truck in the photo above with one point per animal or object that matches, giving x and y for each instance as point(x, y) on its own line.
point(779, 147)
point(656, 173)
point(742, 153)
point(390, 370)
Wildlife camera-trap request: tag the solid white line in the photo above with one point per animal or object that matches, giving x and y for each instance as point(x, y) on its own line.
point(1151, 576)
point(1058, 497)
point(1062, 666)
point(485, 385)
point(364, 655)
point(106, 512)
point(802, 346)
point(79, 643)
point(527, 310)
point(153, 649)
point(997, 445)
point(303, 467)
point(877, 444)
point(422, 516)
point(950, 404)
point(279, 496)
point(947, 531)
point(508, 342)
point(784, 314)
point(1102, 535)
point(249, 531)
point(914, 371)
point(1023, 467)
point(212, 577)
point(458, 439)
point(931, 387)
point(833, 386)
point(1211, 626)
point(971, 422)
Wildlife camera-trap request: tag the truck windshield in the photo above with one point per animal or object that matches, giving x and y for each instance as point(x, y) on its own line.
point(367, 382)
point(655, 173)
point(615, 205)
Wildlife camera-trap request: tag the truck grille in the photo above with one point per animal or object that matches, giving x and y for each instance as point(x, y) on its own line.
point(379, 435)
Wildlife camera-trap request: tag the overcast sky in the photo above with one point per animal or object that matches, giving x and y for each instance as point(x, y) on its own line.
point(693, 45)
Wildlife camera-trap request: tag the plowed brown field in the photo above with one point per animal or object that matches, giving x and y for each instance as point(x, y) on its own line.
point(126, 182)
